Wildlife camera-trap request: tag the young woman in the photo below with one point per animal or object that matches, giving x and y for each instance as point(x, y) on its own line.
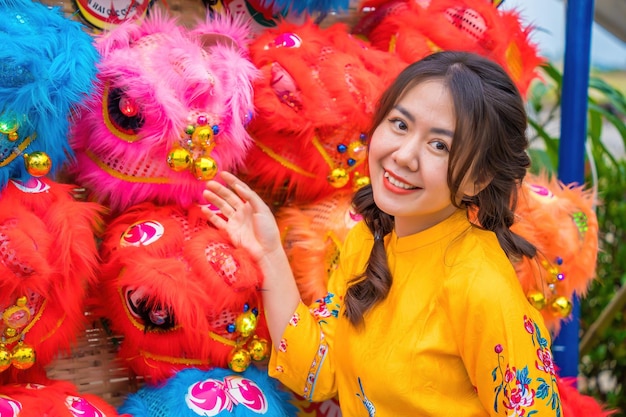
point(425, 315)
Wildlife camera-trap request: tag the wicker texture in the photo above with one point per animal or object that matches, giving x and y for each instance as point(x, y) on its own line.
point(93, 367)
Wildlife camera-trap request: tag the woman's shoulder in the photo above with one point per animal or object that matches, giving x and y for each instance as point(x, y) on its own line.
point(357, 238)
point(478, 257)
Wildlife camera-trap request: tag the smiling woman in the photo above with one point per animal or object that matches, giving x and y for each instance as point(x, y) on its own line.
point(424, 314)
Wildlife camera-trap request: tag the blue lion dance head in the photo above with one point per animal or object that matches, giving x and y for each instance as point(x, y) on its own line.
point(47, 66)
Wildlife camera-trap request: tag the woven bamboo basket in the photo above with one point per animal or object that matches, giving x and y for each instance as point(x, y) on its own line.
point(92, 365)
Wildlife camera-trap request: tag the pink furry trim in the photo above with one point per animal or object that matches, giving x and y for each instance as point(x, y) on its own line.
point(170, 259)
point(170, 75)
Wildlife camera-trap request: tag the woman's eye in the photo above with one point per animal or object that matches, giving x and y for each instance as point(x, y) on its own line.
point(439, 145)
point(398, 124)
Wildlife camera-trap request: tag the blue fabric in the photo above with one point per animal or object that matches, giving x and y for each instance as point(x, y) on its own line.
point(308, 6)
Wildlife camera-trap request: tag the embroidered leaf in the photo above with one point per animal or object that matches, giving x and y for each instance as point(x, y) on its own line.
point(543, 390)
point(522, 376)
point(531, 413)
point(542, 341)
point(495, 400)
point(494, 373)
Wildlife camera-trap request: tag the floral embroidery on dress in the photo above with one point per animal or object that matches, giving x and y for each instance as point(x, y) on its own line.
point(325, 308)
point(517, 391)
point(316, 366)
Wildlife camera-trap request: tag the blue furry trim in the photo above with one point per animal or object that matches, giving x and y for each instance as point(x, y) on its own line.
point(218, 392)
point(309, 6)
point(47, 67)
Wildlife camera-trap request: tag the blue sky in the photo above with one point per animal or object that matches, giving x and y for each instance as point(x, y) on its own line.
point(548, 16)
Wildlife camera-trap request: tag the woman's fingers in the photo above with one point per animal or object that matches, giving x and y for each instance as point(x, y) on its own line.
point(244, 192)
point(213, 217)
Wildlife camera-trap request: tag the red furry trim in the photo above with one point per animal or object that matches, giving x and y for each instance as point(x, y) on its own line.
point(192, 272)
point(50, 398)
point(306, 111)
point(576, 404)
point(51, 257)
point(414, 31)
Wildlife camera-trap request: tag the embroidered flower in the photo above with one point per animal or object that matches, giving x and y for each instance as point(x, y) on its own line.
point(295, 319)
point(518, 399)
point(324, 308)
point(545, 362)
point(529, 325)
point(517, 391)
point(282, 346)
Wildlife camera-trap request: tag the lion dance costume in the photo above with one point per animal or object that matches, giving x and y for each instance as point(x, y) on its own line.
point(169, 111)
point(48, 253)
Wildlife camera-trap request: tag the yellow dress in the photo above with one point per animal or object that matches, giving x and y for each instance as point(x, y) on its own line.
point(456, 335)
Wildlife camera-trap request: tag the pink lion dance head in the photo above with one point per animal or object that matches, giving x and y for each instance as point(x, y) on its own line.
point(170, 111)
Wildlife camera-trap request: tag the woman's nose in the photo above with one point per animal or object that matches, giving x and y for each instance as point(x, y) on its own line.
point(407, 155)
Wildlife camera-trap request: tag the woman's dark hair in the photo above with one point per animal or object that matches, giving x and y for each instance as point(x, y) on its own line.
point(489, 146)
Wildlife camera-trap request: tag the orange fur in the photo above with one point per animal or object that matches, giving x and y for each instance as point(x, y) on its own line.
point(545, 217)
point(312, 237)
point(54, 398)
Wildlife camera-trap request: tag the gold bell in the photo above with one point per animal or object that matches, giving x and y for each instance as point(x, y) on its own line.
point(258, 348)
point(5, 358)
point(239, 360)
point(338, 177)
point(204, 168)
point(360, 181)
point(37, 163)
point(537, 299)
point(203, 137)
point(246, 323)
point(561, 306)
point(179, 159)
point(22, 356)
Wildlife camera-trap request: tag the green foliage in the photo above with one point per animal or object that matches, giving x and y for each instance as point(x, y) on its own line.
point(604, 357)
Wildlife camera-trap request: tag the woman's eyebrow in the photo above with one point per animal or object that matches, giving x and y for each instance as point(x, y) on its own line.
point(435, 130)
point(404, 112)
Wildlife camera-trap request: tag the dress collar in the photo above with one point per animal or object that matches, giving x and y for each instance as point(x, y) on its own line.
point(445, 230)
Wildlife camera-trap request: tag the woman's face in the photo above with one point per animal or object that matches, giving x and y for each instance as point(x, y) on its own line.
point(408, 158)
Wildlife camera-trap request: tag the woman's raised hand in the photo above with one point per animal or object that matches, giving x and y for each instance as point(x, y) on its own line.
point(243, 215)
